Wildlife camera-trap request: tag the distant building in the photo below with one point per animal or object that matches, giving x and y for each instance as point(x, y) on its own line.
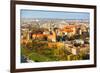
point(75, 51)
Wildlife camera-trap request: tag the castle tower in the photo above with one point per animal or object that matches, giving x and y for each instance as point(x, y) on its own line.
point(53, 36)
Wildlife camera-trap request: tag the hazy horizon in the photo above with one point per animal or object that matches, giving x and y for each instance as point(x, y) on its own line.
point(41, 14)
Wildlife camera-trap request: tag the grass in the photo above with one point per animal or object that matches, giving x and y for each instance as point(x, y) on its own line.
point(38, 58)
point(33, 55)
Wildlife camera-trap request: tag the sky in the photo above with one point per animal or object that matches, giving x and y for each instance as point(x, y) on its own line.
point(53, 14)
